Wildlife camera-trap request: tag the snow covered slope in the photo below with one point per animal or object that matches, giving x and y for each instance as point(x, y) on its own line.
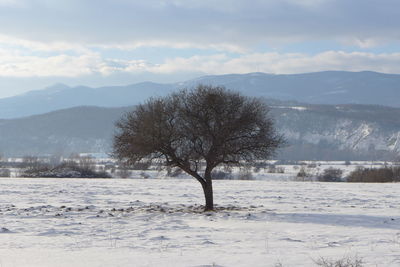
point(325, 132)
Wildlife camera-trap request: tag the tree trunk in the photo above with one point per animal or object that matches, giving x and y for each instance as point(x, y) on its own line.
point(208, 192)
point(208, 195)
point(206, 183)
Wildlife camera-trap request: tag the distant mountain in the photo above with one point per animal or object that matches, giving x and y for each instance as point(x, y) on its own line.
point(323, 132)
point(61, 96)
point(60, 132)
point(339, 132)
point(330, 87)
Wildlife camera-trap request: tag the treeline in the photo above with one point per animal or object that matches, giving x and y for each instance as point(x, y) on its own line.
point(386, 174)
point(73, 167)
point(371, 175)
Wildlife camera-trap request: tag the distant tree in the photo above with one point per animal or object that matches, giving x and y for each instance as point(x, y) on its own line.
point(331, 175)
point(66, 169)
point(55, 160)
point(303, 175)
point(197, 130)
point(84, 162)
point(33, 164)
point(123, 170)
point(397, 159)
point(375, 175)
point(245, 174)
point(5, 173)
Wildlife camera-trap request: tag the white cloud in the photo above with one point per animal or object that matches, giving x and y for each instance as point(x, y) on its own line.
point(282, 63)
point(15, 64)
point(85, 39)
point(61, 46)
point(173, 44)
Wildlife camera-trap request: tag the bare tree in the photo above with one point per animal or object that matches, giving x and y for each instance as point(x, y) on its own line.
point(197, 130)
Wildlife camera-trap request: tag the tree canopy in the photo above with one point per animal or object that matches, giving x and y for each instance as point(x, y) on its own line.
point(197, 130)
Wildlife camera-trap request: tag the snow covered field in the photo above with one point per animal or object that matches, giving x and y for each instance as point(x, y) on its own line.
point(152, 222)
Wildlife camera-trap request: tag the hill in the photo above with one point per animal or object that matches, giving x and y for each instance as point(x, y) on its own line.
point(324, 132)
point(330, 87)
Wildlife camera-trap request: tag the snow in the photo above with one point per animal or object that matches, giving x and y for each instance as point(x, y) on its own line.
point(300, 108)
point(289, 171)
point(158, 222)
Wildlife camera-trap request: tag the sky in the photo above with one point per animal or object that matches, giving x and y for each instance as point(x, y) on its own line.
point(117, 42)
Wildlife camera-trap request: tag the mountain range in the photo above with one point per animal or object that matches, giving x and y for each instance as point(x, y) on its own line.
point(313, 132)
point(325, 115)
point(329, 87)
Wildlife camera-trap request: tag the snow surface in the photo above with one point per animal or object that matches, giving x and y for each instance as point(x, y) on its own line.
point(289, 172)
point(158, 222)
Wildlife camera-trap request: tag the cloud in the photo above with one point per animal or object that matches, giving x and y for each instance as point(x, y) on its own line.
point(284, 63)
point(55, 46)
point(15, 64)
point(207, 23)
point(110, 41)
point(172, 44)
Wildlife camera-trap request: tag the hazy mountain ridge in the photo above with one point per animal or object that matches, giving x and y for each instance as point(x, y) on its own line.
point(60, 132)
point(312, 131)
point(329, 87)
point(61, 96)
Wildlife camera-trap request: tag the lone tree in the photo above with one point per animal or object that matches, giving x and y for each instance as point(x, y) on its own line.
point(196, 131)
